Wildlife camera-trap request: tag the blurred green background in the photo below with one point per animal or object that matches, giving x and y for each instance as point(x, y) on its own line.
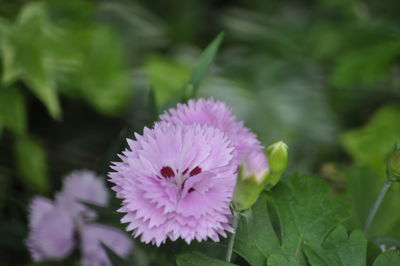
point(79, 76)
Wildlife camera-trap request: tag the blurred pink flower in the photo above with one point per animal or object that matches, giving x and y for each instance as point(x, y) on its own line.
point(56, 227)
point(217, 114)
point(176, 181)
point(93, 235)
point(82, 186)
point(51, 231)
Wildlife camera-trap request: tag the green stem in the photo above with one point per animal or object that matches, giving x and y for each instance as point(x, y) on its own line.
point(376, 205)
point(236, 217)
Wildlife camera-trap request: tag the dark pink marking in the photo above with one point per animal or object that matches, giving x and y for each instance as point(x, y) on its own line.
point(191, 190)
point(195, 171)
point(185, 171)
point(167, 172)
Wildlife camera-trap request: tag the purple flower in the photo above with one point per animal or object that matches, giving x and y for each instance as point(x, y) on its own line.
point(82, 186)
point(176, 181)
point(51, 231)
point(95, 234)
point(216, 114)
point(56, 227)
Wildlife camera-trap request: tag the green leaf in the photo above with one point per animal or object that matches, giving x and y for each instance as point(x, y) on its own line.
point(363, 186)
point(355, 68)
point(256, 245)
point(339, 249)
point(204, 63)
point(248, 218)
point(370, 144)
point(101, 76)
point(12, 109)
point(25, 49)
point(388, 258)
point(166, 77)
point(197, 258)
point(280, 260)
point(373, 251)
point(44, 87)
point(307, 210)
point(31, 162)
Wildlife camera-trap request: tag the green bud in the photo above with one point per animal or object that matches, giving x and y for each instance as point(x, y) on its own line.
point(259, 171)
point(251, 180)
point(393, 165)
point(277, 155)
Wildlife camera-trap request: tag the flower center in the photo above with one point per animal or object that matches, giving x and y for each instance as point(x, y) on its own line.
point(167, 172)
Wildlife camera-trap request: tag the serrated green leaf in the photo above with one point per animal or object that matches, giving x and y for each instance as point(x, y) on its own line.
point(204, 63)
point(25, 55)
point(31, 160)
point(339, 249)
point(256, 245)
point(307, 210)
point(197, 258)
point(370, 144)
point(43, 86)
point(388, 258)
point(12, 109)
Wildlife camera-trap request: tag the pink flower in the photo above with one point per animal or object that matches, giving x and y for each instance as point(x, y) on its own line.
point(51, 231)
point(93, 235)
point(56, 227)
point(216, 114)
point(82, 186)
point(176, 181)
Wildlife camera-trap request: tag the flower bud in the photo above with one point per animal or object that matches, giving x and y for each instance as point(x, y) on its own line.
point(393, 165)
point(258, 171)
point(255, 167)
point(251, 180)
point(277, 155)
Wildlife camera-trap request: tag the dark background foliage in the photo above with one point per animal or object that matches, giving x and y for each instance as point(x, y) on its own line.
point(78, 77)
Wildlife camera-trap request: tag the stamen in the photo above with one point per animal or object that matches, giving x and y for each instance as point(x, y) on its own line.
point(195, 171)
